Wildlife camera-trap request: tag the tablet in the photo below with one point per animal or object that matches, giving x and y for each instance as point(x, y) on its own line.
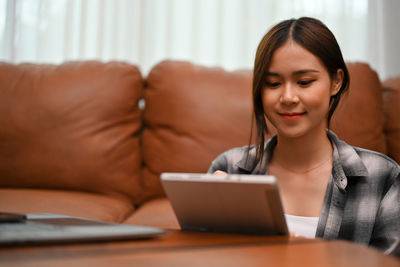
point(248, 204)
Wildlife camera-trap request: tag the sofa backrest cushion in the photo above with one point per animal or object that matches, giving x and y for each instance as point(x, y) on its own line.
point(391, 102)
point(72, 126)
point(358, 119)
point(194, 113)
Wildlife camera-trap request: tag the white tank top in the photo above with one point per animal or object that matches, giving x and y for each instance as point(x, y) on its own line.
point(302, 226)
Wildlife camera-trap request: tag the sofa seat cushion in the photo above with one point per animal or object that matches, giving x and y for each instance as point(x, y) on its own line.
point(79, 204)
point(157, 213)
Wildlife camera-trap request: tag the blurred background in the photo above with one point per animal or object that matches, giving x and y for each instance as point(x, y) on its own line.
point(221, 33)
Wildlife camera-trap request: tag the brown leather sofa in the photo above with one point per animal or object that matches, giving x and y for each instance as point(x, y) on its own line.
point(90, 139)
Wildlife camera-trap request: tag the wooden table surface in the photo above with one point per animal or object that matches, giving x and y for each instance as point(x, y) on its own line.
point(178, 248)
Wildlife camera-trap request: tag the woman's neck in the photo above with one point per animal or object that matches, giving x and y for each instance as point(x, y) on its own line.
point(302, 154)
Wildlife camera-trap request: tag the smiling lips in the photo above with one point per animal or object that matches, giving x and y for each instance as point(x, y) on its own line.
point(292, 116)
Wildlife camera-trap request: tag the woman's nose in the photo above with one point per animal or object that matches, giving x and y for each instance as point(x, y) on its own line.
point(289, 95)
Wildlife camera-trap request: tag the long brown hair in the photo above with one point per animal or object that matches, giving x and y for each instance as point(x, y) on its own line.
point(312, 35)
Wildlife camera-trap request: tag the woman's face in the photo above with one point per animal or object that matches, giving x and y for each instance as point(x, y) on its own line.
point(297, 91)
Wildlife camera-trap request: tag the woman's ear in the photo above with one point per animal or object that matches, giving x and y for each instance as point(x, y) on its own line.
point(337, 82)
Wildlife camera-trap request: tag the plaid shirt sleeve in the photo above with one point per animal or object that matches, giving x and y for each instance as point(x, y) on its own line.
point(386, 233)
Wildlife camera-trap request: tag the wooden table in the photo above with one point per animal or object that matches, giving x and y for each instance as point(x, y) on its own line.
point(177, 248)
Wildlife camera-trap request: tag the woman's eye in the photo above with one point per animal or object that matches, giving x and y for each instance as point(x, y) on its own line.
point(273, 84)
point(305, 82)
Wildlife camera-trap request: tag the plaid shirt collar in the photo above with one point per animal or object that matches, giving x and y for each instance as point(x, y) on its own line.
point(346, 161)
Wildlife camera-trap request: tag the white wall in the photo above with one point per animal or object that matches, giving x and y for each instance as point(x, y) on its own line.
point(384, 37)
point(209, 32)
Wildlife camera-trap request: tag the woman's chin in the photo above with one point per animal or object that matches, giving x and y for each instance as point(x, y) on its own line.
point(291, 134)
point(299, 131)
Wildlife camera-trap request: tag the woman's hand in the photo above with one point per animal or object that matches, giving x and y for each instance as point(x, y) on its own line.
point(221, 173)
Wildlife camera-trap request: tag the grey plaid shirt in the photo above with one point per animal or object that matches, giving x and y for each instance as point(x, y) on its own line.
point(362, 200)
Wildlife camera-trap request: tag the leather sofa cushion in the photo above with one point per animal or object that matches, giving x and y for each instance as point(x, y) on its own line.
point(391, 108)
point(72, 126)
point(194, 113)
point(358, 120)
point(78, 204)
point(157, 213)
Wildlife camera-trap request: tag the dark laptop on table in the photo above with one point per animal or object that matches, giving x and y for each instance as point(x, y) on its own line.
point(22, 229)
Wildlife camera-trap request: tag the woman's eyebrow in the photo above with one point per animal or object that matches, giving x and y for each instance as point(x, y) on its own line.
point(297, 72)
point(303, 71)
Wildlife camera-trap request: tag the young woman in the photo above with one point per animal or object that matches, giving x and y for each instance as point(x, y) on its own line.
point(329, 189)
